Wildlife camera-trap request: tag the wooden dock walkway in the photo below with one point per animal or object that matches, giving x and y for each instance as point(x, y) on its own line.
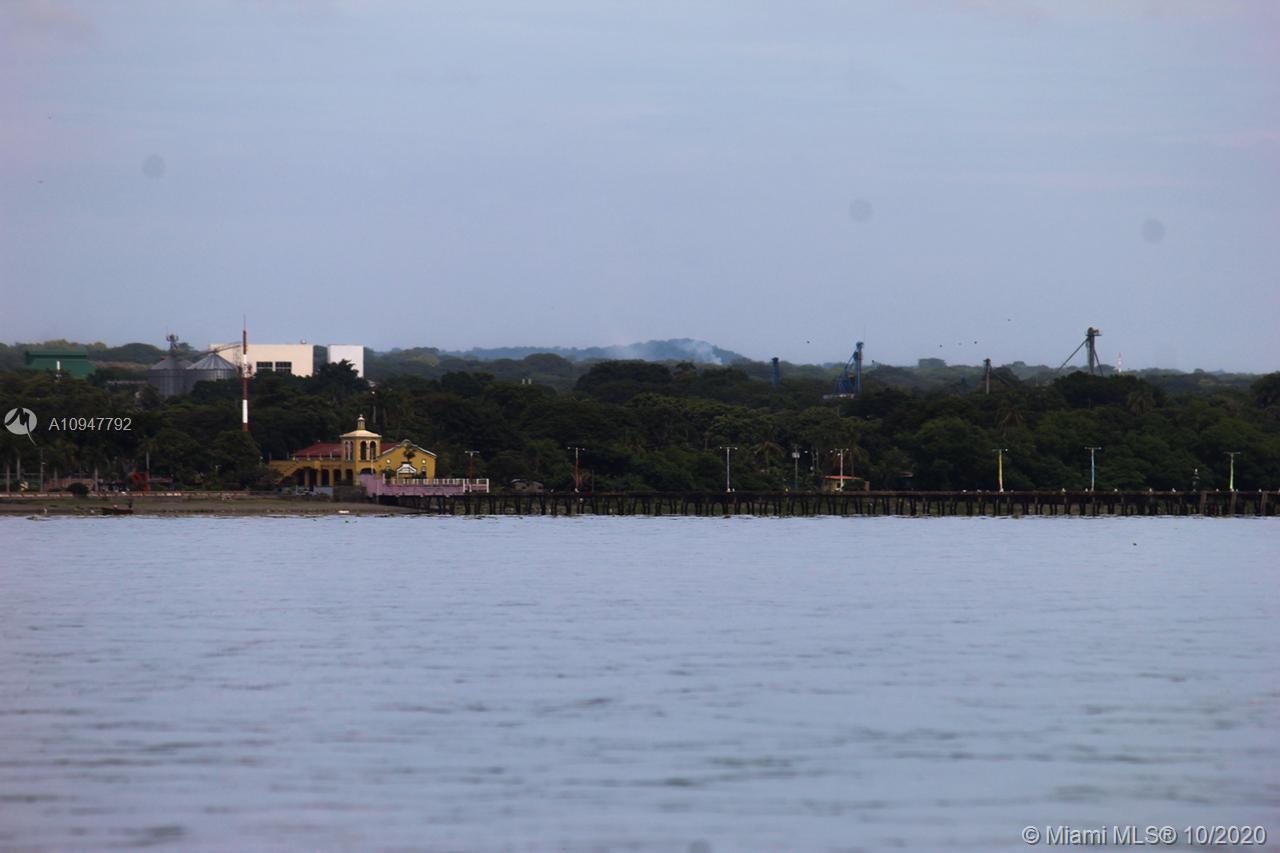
point(801, 504)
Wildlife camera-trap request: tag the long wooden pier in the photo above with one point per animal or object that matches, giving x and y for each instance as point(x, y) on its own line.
point(911, 504)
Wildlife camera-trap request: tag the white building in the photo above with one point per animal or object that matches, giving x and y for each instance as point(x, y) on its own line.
point(297, 359)
point(353, 353)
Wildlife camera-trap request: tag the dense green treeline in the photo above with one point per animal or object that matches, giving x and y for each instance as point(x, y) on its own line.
point(130, 361)
point(652, 426)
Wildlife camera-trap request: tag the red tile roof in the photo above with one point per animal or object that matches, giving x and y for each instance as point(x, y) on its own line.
point(321, 450)
point(332, 450)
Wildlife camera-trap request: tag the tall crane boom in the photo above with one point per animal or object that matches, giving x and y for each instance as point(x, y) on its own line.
point(1090, 344)
point(849, 382)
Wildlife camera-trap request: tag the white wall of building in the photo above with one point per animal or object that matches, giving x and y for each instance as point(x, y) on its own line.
point(298, 357)
point(353, 353)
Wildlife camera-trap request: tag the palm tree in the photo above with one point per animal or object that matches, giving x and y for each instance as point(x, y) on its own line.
point(768, 453)
point(1140, 401)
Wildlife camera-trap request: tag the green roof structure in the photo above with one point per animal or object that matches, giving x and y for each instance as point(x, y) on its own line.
point(73, 363)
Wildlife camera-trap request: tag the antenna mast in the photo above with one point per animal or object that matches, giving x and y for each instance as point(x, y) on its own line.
point(244, 376)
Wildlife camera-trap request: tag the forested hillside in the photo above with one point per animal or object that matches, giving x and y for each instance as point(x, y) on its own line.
point(651, 426)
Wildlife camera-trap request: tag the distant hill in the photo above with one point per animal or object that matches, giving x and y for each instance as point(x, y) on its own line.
point(561, 367)
point(676, 349)
point(134, 356)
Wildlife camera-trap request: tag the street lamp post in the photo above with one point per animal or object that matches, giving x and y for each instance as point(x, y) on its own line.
point(577, 479)
point(1092, 467)
point(840, 451)
point(1231, 483)
point(1000, 452)
point(795, 463)
point(728, 483)
point(471, 458)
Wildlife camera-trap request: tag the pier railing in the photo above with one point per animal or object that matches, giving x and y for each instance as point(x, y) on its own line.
point(899, 503)
point(419, 487)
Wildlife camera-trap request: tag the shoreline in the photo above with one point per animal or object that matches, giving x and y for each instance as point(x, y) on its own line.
point(184, 505)
point(692, 504)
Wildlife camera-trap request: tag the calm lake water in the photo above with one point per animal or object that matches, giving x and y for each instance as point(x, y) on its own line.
point(632, 684)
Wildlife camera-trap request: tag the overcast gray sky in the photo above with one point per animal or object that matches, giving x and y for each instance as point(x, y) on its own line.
point(779, 178)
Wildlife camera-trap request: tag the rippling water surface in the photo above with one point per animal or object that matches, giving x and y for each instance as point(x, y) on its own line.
point(640, 684)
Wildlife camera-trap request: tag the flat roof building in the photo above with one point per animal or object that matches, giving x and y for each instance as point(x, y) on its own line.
point(72, 362)
point(353, 353)
point(298, 359)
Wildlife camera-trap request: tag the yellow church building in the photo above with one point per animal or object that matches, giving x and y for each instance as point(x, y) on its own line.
point(340, 463)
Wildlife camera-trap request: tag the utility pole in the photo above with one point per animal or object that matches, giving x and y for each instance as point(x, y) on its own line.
point(795, 463)
point(1000, 452)
point(1230, 484)
point(728, 483)
point(1092, 467)
point(840, 451)
point(577, 479)
point(471, 458)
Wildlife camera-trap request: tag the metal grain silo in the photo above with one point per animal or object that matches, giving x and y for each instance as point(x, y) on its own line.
point(169, 376)
point(211, 368)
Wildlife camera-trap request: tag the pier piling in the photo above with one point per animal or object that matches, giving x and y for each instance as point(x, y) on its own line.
point(915, 504)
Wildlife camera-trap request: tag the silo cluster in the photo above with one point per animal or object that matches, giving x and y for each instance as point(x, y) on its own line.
point(173, 375)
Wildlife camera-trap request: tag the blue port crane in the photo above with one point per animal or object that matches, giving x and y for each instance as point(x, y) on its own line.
point(849, 382)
